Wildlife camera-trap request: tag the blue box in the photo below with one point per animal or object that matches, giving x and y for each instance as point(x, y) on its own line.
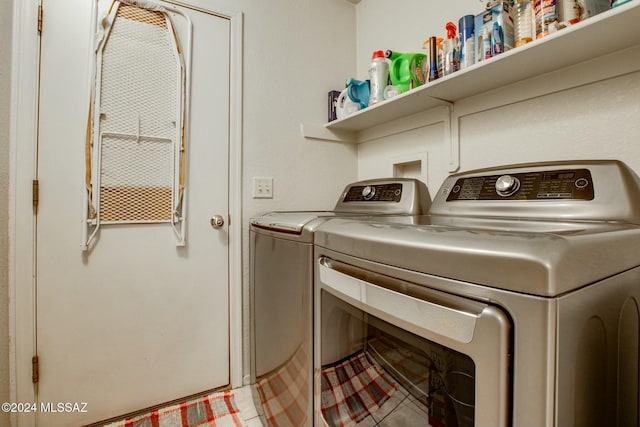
point(498, 22)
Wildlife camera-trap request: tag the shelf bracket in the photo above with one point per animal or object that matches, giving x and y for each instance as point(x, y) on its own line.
point(314, 131)
point(452, 136)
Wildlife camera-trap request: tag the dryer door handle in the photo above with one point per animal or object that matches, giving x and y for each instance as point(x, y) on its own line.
point(381, 301)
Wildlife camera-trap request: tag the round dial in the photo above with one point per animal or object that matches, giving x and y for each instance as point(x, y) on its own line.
point(368, 192)
point(507, 185)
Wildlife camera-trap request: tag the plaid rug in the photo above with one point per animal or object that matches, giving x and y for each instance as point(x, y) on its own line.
point(215, 410)
point(352, 389)
point(285, 393)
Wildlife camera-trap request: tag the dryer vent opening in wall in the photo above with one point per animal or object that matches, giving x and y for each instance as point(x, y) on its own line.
point(408, 169)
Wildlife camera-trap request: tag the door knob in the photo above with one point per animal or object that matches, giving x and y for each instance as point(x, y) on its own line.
point(217, 221)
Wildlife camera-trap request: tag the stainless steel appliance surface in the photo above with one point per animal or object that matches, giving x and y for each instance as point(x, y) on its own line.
point(281, 256)
point(515, 302)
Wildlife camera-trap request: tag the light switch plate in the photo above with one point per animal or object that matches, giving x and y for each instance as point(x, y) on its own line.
point(262, 187)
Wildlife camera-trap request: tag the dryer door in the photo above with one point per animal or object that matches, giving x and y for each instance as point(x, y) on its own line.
point(387, 348)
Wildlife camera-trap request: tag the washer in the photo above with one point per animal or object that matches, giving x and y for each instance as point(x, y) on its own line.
point(281, 245)
point(515, 302)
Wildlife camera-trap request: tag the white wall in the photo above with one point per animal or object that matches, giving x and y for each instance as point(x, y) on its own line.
point(596, 120)
point(6, 14)
point(377, 158)
point(405, 24)
point(295, 51)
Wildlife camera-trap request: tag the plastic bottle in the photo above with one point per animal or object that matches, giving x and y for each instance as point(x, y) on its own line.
point(407, 70)
point(433, 59)
point(617, 3)
point(451, 50)
point(546, 14)
point(440, 55)
point(378, 76)
point(595, 7)
point(572, 11)
point(523, 22)
point(497, 39)
point(467, 44)
point(486, 44)
point(392, 54)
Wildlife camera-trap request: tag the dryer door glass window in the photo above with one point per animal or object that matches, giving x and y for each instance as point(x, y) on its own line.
point(376, 373)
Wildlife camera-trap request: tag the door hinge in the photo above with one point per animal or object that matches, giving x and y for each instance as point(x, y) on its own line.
point(39, 19)
point(36, 193)
point(35, 369)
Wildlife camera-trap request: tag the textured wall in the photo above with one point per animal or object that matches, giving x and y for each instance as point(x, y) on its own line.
point(294, 53)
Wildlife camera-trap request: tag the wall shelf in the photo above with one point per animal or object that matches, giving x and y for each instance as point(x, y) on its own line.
point(609, 32)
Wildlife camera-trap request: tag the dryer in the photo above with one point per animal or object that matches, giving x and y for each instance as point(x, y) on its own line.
point(515, 302)
point(281, 258)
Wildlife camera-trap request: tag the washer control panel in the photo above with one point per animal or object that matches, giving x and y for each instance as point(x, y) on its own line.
point(374, 193)
point(566, 184)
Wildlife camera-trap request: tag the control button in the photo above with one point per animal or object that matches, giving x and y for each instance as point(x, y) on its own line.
point(581, 182)
point(507, 185)
point(368, 192)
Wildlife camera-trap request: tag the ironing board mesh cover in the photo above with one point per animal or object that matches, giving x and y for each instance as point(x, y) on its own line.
point(139, 108)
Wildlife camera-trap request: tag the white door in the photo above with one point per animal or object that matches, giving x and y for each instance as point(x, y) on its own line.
point(135, 321)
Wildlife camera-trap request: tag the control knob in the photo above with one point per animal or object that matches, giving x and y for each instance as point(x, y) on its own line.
point(368, 192)
point(507, 185)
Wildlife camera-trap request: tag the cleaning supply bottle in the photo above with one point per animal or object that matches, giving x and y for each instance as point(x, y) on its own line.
point(523, 22)
point(434, 72)
point(466, 35)
point(392, 55)
point(451, 50)
point(486, 44)
point(497, 40)
point(546, 16)
point(572, 11)
point(407, 70)
point(378, 76)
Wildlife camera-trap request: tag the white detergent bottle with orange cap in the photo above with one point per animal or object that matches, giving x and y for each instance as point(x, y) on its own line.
point(378, 76)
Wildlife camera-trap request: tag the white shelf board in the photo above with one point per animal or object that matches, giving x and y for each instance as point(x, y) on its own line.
point(403, 105)
point(608, 32)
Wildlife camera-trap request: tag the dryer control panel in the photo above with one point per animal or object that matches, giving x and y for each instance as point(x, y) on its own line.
point(567, 184)
point(374, 193)
point(397, 196)
point(593, 190)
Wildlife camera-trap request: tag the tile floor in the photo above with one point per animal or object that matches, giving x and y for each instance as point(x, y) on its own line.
point(248, 411)
point(400, 410)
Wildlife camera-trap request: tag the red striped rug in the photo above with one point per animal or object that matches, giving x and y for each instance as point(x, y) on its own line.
point(215, 410)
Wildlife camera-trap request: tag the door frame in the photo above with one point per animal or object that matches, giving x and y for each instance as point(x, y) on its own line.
point(23, 141)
